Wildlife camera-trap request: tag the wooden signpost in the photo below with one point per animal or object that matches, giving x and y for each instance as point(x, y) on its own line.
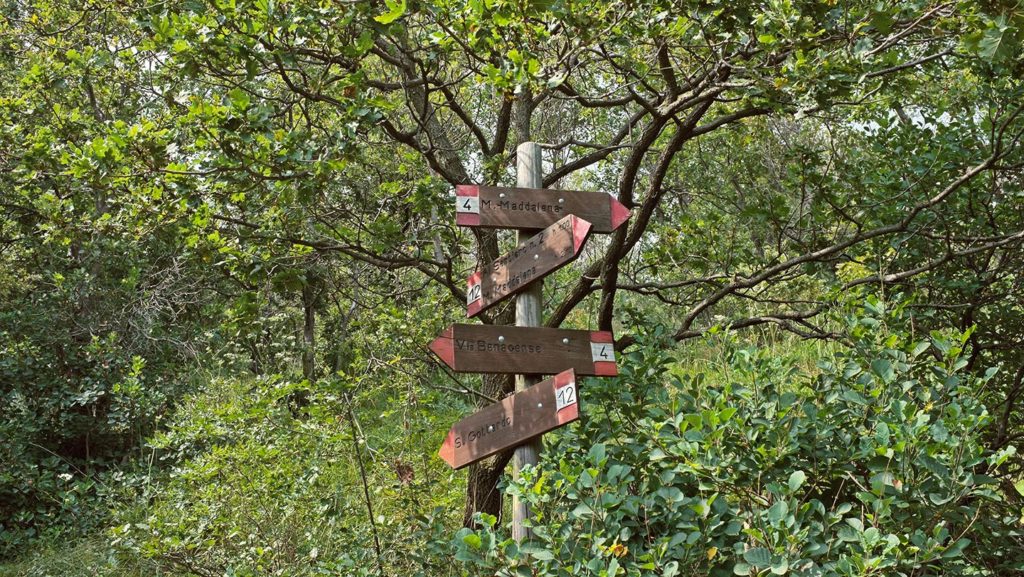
point(519, 350)
point(532, 208)
point(527, 350)
point(512, 421)
point(541, 255)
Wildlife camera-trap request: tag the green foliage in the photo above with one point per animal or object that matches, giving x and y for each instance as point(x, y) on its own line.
point(874, 463)
point(91, 557)
point(256, 489)
point(205, 196)
point(96, 303)
point(70, 434)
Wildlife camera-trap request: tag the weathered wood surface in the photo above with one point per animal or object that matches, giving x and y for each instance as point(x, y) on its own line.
point(512, 421)
point(541, 255)
point(525, 350)
point(534, 208)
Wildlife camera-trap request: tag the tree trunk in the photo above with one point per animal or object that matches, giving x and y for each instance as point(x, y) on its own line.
point(482, 492)
point(482, 485)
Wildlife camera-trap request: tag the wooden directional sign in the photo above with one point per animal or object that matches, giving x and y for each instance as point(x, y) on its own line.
point(513, 421)
point(525, 350)
point(496, 207)
point(541, 255)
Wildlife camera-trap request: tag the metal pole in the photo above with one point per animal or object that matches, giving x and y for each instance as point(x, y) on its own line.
point(528, 312)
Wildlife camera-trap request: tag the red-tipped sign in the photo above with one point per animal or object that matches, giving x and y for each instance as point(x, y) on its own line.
point(541, 255)
point(497, 207)
point(513, 421)
point(525, 350)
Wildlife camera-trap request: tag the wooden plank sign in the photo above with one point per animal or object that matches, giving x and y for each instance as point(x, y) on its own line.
point(541, 255)
point(497, 207)
point(512, 421)
point(525, 350)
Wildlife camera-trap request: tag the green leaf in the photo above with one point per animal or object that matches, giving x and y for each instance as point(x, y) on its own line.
point(537, 552)
point(543, 555)
point(780, 566)
point(778, 511)
point(555, 81)
point(854, 397)
point(920, 348)
point(883, 368)
point(758, 557)
point(956, 549)
point(473, 540)
point(239, 99)
point(848, 534)
point(882, 434)
point(396, 8)
point(796, 479)
point(583, 511)
point(882, 20)
point(994, 43)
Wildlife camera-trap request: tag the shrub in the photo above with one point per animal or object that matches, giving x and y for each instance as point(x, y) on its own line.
point(871, 464)
point(257, 487)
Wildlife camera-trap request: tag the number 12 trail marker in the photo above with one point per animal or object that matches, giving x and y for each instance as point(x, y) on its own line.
point(512, 421)
point(541, 255)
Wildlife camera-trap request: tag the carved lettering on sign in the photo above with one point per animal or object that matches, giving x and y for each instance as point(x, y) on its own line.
point(534, 208)
point(525, 350)
point(512, 421)
point(541, 255)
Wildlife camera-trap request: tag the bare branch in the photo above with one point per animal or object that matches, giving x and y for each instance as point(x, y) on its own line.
point(831, 250)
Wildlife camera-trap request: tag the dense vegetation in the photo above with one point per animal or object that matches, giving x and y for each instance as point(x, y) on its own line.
point(226, 236)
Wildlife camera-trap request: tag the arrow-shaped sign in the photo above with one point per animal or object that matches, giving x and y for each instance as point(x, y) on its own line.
point(541, 255)
point(512, 421)
point(496, 207)
point(525, 350)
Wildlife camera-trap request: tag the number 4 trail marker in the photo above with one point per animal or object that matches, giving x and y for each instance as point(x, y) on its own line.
point(519, 350)
point(532, 208)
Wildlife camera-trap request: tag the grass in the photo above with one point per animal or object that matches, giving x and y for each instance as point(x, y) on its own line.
point(90, 557)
